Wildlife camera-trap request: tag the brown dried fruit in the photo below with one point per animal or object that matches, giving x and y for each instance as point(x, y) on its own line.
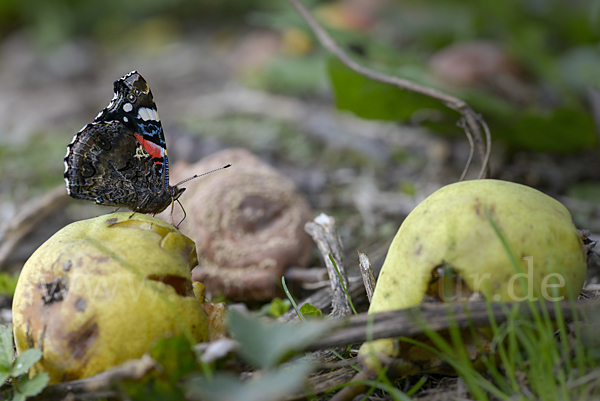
point(248, 224)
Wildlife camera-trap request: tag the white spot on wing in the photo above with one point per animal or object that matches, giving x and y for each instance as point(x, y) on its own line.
point(147, 114)
point(127, 107)
point(99, 114)
point(125, 119)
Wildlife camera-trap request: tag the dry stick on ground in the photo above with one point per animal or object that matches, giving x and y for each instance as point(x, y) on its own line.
point(471, 122)
point(367, 274)
point(100, 386)
point(29, 217)
point(439, 316)
point(324, 233)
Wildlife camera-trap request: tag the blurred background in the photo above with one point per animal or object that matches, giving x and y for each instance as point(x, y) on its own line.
point(228, 73)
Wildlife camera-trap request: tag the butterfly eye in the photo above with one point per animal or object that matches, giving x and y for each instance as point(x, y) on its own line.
point(131, 97)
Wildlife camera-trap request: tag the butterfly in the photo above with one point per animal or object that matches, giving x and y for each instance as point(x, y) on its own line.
point(120, 159)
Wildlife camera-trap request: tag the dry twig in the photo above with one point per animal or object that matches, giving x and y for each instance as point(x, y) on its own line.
point(438, 316)
point(100, 386)
point(324, 233)
point(31, 215)
point(367, 274)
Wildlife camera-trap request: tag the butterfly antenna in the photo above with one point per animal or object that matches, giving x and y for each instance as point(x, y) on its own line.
point(200, 175)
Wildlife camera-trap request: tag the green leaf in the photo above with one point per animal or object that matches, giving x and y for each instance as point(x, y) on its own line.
point(289, 75)
point(18, 397)
point(30, 387)
point(25, 361)
point(266, 344)
point(6, 348)
point(177, 360)
point(276, 307)
point(152, 388)
point(310, 311)
point(375, 100)
point(4, 377)
point(267, 386)
point(176, 357)
point(8, 283)
point(564, 130)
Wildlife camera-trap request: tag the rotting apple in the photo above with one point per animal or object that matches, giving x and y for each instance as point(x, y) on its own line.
point(104, 290)
point(456, 227)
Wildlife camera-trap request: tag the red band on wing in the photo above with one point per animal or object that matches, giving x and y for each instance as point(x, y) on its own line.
point(153, 149)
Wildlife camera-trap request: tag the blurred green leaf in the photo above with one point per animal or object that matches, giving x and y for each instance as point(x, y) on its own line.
point(25, 361)
point(374, 100)
point(6, 348)
point(586, 191)
point(8, 283)
point(30, 387)
point(567, 129)
point(267, 344)
point(564, 130)
point(264, 386)
point(290, 75)
point(176, 357)
point(176, 360)
point(276, 307)
point(4, 377)
point(18, 397)
point(310, 311)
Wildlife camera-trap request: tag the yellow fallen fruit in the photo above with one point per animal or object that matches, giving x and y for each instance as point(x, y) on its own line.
point(453, 227)
point(104, 290)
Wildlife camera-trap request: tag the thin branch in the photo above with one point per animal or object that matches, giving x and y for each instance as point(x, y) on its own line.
point(367, 274)
point(324, 233)
point(473, 121)
point(471, 148)
point(440, 316)
point(31, 215)
point(100, 386)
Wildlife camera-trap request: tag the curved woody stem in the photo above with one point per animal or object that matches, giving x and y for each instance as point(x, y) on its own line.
point(473, 123)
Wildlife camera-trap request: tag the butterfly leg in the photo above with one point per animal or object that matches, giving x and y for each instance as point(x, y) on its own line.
point(140, 205)
point(184, 213)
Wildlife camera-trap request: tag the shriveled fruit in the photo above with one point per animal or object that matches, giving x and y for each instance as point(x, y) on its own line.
point(104, 290)
point(453, 227)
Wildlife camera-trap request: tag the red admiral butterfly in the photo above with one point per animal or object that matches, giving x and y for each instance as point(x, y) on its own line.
point(121, 158)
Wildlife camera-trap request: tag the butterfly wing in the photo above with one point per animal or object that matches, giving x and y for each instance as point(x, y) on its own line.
point(133, 105)
point(106, 163)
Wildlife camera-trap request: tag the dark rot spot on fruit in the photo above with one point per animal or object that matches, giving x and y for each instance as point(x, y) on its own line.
point(80, 304)
point(181, 285)
point(67, 266)
point(81, 340)
point(419, 249)
point(111, 222)
point(477, 207)
point(55, 290)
